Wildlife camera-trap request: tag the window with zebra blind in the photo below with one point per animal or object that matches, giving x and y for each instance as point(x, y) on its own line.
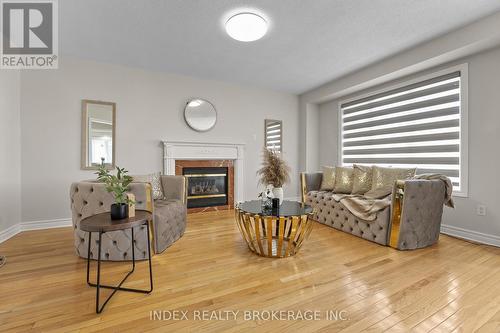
point(420, 124)
point(273, 134)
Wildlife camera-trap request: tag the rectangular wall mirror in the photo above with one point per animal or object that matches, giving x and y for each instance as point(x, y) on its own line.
point(98, 134)
point(273, 135)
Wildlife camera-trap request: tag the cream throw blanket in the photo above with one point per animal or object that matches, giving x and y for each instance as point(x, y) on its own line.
point(368, 205)
point(448, 186)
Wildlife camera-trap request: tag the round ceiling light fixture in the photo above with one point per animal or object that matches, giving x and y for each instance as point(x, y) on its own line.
point(246, 27)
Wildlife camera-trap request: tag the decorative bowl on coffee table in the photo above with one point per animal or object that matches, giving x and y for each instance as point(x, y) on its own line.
point(274, 233)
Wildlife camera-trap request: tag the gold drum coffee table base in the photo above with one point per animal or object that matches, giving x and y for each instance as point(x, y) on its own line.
point(273, 236)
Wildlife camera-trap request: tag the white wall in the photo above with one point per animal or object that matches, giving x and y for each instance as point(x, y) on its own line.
point(149, 109)
point(10, 150)
point(484, 138)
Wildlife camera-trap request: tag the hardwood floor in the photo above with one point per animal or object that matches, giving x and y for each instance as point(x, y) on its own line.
point(451, 287)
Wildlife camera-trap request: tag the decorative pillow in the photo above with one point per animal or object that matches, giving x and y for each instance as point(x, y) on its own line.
point(154, 180)
point(328, 181)
point(362, 179)
point(343, 180)
point(385, 177)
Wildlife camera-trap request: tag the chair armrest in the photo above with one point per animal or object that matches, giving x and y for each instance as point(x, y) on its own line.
point(143, 193)
point(417, 207)
point(174, 187)
point(310, 181)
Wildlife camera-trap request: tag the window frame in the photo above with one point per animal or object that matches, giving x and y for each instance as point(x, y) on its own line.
point(464, 117)
point(281, 133)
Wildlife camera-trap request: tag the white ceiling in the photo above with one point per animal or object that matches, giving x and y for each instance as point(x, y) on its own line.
point(309, 42)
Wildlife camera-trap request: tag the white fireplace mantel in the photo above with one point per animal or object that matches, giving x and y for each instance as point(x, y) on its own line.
point(185, 150)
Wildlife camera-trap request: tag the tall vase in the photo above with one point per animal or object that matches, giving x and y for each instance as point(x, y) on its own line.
point(278, 193)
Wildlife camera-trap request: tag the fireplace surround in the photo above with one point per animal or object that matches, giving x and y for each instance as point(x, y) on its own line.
point(178, 154)
point(210, 184)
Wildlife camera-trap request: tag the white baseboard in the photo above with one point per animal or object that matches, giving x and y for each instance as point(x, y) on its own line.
point(9, 232)
point(470, 235)
point(45, 224)
point(33, 225)
point(59, 223)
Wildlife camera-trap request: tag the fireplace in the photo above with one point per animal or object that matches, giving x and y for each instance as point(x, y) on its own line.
point(206, 186)
point(210, 184)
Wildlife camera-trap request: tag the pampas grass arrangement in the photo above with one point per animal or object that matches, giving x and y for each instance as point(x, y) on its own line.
point(275, 171)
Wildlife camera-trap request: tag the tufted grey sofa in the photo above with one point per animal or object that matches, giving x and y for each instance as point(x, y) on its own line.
point(335, 214)
point(412, 221)
point(169, 218)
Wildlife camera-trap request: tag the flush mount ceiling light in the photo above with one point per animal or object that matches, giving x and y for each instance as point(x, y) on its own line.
point(246, 27)
point(195, 103)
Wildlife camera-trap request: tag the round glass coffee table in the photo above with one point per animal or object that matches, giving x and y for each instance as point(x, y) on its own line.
point(274, 233)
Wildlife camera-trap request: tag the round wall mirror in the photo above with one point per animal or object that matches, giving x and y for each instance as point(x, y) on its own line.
point(200, 115)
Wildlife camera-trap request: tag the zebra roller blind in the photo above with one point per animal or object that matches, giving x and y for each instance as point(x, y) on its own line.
point(273, 134)
point(415, 125)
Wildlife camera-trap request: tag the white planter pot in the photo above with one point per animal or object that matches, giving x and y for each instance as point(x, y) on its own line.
point(278, 193)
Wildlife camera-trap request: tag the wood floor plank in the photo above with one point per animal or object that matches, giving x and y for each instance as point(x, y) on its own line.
point(430, 291)
point(452, 286)
point(457, 287)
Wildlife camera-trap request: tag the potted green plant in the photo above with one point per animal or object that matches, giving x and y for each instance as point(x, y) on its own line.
point(118, 185)
point(275, 172)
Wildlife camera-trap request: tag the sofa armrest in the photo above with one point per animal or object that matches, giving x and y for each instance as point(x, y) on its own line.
point(174, 187)
point(417, 208)
point(310, 181)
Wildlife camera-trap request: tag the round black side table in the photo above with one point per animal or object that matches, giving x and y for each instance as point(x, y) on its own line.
point(102, 223)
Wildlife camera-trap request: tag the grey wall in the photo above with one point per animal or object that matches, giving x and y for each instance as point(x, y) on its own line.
point(149, 109)
point(484, 137)
point(474, 38)
point(328, 133)
point(312, 141)
point(10, 149)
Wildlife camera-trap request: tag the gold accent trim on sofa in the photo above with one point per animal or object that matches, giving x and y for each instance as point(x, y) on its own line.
point(303, 186)
point(397, 207)
point(149, 208)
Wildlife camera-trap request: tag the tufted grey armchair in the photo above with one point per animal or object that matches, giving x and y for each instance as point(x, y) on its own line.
point(169, 218)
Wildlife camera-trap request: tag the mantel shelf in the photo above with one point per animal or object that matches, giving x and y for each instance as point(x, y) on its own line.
point(186, 150)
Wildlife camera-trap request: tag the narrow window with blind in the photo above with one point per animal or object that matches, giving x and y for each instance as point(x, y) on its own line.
point(417, 125)
point(273, 134)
